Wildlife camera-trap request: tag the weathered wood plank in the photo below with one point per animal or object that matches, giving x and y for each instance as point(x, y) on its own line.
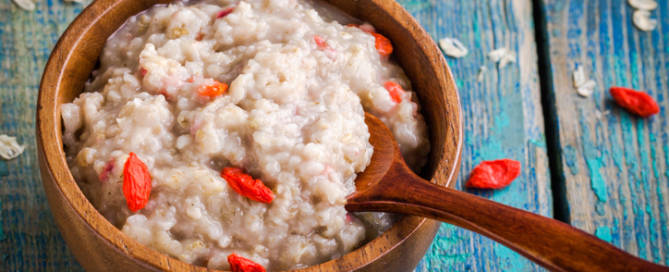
point(30, 240)
point(615, 164)
point(502, 116)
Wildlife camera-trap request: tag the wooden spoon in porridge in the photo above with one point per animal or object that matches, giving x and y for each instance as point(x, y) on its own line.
point(388, 185)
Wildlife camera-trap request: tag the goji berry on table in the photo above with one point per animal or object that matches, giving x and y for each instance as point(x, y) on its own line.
point(245, 185)
point(212, 90)
point(241, 264)
point(395, 91)
point(634, 101)
point(494, 174)
point(136, 183)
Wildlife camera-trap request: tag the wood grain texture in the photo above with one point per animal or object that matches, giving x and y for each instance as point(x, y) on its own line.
point(31, 241)
point(503, 119)
point(614, 164)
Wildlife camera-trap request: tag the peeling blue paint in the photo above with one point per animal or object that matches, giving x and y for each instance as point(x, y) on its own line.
point(604, 233)
point(509, 258)
point(570, 159)
point(597, 182)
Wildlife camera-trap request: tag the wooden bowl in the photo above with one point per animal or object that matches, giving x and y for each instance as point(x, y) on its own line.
point(99, 246)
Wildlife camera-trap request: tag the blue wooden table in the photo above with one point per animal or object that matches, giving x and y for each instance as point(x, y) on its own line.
point(585, 161)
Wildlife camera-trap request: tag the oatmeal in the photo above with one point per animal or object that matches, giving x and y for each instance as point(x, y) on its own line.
point(225, 104)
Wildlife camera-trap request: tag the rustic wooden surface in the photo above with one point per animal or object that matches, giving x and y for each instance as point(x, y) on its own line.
point(503, 118)
point(614, 164)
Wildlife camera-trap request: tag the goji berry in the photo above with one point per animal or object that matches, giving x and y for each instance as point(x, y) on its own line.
point(143, 71)
point(241, 264)
point(224, 12)
point(395, 91)
point(320, 42)
point(494, 174)
point(245, 185)
point(383, 45)
point(635, 102)
point(136, 183)
point(212, 90)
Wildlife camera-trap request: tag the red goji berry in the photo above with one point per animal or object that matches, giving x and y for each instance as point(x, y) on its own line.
point(383, 45)
point(320, 42)
point(635, 102)
point(212, 90)
point(245, 185)
point(136, 183)
point(143, 71)
point(241, 264)
point(494, 174)
point(395, 91)
point(224, 12)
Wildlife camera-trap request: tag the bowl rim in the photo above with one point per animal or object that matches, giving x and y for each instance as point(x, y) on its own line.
point(49, 137)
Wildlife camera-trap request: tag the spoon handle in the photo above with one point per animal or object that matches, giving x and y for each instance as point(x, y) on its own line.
point(551, 243)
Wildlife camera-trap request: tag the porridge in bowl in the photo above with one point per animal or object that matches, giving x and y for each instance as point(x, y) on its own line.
point(216, 129)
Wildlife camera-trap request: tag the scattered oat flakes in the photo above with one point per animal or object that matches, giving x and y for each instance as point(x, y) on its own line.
point(453, 47)
point(643, 21)
point(497, 54)
point(502, 56)
point(481, 75)
point(643, 4)
point(9, 148)
point(25, 4)
point(584, 86)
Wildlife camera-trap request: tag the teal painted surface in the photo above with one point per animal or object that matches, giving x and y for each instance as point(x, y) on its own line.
point(620, 192)
point(503, 119)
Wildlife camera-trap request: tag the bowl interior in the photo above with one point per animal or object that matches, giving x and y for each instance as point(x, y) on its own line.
point(76, 54)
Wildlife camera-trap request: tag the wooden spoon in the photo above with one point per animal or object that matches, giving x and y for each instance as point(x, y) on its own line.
point(388, 185)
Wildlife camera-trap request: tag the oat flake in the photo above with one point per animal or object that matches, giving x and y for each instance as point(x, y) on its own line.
point(587, 88)
point(502, 57)
point(643, 21)
point(643, 4)
point(453, 47)
point(578, 76)
point(9, 148)
point(25, 4)
point(584, 86)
